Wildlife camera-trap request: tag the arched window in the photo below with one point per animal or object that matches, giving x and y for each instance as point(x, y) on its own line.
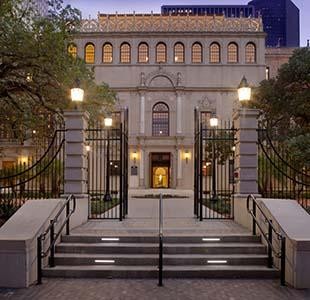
point(107, 53)
point(125, 53)
point(90, 53)
point(232, 53)
point(161, 53)
point(196, 53)
point(250, 53)
point(215, 53)
point(179, 53)
point(160, 120)
point(72, 50)
point(143, 53)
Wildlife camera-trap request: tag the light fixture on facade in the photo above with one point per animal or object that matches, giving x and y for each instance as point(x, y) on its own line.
point(134, 157)
point(244, 90)
point(187, 156)
point(214, 121)
point(88, 148)
point(77, 94)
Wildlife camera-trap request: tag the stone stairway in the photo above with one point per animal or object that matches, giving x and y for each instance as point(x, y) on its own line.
point(225, 256)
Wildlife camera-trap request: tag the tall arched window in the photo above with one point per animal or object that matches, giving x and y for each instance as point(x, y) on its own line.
point(250, 53)
point(72, 50)
point(215, 53)
point(90, 53)
point(232, 53)
point(107, 53)
point(125, 53)
point(196, 53)
point(179, 53)
point(143, 53)
point(160, 119)
point(161, 53)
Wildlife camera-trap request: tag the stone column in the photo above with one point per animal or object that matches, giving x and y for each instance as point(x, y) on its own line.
point(179, 113)
point(246, 161)
point(179, 168)
point(75, 181)
point(141, 167)
point(142, 113)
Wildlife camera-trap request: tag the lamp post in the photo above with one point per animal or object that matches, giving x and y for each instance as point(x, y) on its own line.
point(213, 123)
point(108, 123)
point(77, 94)
point(244, 90)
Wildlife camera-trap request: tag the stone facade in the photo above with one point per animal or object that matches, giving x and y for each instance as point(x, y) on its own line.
point(181, 86)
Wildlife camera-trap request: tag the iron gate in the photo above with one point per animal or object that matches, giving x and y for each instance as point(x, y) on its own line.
point(281, 174)
point(214, 168)
point(108, 168)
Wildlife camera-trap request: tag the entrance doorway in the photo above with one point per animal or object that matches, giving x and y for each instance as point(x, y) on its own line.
point(160, 170)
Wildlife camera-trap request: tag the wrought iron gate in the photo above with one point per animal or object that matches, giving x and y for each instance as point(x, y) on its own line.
point(214, 168)
point(108, 168)
point(281, 174)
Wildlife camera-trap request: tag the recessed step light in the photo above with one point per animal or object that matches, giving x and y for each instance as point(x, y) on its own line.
point(217, 261)
point(211, 239)
point(110, 239)
point(104, 261)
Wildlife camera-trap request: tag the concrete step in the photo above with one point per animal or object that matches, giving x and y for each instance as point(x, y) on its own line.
point(169, 272)
point(167, 239)
point(150, 248)
point(152, 259)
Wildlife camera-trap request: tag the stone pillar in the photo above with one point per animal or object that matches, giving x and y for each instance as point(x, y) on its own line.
point(141, 173)
point(246, 161)
point(76, 123)
point(180, 171)
point(142, 113)
point(179, 113)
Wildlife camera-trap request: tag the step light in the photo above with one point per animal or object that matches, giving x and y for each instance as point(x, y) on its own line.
point(217, 261)
point(110, 239)
point(211, 239)
point(104, 261)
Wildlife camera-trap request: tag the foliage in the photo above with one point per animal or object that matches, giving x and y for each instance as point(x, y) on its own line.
point(36, 71)
point(285, 104)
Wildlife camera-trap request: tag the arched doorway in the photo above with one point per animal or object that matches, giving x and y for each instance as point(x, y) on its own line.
point(160, 170)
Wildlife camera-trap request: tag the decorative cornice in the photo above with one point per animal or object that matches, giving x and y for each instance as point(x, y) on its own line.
point(164, 23)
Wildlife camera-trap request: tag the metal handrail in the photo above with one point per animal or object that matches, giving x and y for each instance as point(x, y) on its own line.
point(54, 236)
point(160, 260)
point(268, 236)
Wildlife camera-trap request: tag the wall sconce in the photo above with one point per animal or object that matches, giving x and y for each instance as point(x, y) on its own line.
point(88, 148)
point(23, 159)
point(134, 157)
point(187, 156)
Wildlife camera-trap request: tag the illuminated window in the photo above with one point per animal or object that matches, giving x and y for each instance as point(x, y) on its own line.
point(125, 53)
point(215, 53)
point(232, 53)
point(179, 53)
point(143, 53)
point(72, 50)
point(90, 53)
point(161, 53)
point(107, 53)
point(160, 123)
point(250, 53)
point(196, 53)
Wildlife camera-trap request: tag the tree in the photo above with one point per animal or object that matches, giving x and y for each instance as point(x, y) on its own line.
point(36, 71)
point(285, 104)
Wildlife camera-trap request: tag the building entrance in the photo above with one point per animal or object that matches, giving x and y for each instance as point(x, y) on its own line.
point(160, 170)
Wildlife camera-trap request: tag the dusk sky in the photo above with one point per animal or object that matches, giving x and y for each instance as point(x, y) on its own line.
point(91, 7)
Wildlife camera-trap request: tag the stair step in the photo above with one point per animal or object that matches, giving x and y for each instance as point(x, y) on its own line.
point(150, 248)
point(169, 272)
point(150, 259)
point(167, 239)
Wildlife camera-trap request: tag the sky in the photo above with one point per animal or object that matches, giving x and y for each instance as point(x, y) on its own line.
point(91, 7)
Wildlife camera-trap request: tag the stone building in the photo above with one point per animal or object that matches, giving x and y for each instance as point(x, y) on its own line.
point(162, 68)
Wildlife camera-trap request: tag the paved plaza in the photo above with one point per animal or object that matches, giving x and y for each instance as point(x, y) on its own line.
point(93, 289)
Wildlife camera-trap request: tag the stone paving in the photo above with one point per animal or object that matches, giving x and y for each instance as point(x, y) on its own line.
point(93, 289)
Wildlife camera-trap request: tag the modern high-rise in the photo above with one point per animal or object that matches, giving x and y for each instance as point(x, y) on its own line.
point(280, 17)
point(281, 22)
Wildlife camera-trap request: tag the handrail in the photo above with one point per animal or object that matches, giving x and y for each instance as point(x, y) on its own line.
point(53, 236)
point(268, 236)
point(160, 260)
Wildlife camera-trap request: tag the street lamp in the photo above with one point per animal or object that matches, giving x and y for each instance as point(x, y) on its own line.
point(77, 94)
point(244, 90)
point(108, 123)
point(213, 123)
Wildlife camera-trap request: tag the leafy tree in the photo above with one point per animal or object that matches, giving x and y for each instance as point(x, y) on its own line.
point(36, 71)
point(285, 104)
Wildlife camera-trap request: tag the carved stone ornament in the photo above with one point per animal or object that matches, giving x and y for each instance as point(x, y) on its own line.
point(205, 104)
